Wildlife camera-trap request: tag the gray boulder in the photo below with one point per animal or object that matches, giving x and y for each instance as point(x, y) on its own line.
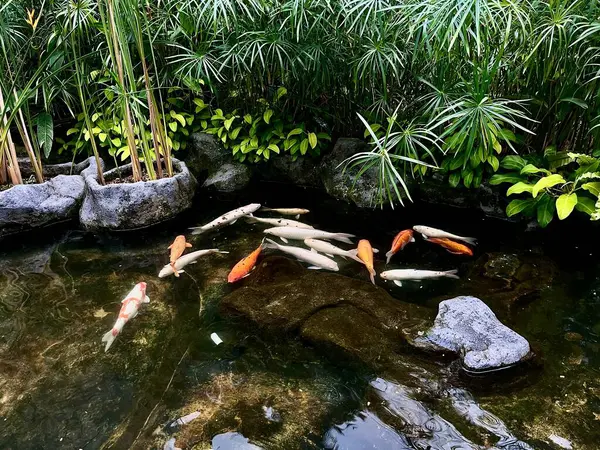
point(207, 159)
point(305, 171)
point(27, 206)
point(468, 327)
point(129, 206)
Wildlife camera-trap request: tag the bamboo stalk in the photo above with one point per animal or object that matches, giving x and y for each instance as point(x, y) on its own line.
point(35, 163)
point(9, 146)
point(3, 174)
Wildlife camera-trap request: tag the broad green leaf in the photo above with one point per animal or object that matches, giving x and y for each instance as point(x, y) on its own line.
point(547, 182)
point(178, 117)
point(565, 204)
point(267, 115)
point(266, 153)
point(116, 142)
point(95, 117)
point(228, 123)
point(45, 132)
point(281, 91)
point(454, 179)
point(494, 162)
point(519, 188)
point(254, 142)
point(173, 126)
point(513, 162)
point(467, 176)
point(545, 210)
point(500, 178)
point(274, 148)
point(70, 131)
point(102, 137)
point(575, 101)
point(248, 118)
point(294, 132)
point(530, 168)
point(592, 187)
point(497, 146)
point(585, 205)
point(234, 134)
point(312, 140)
point(517, 206)
point(304, 146)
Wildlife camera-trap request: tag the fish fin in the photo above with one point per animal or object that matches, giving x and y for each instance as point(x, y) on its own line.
point(398, 283)
point(331, 256)
point(247, 275)
point(452, 274)
point(372, 276)
point(188, 245)
point(342, 238)
point(313, 250)
point(314, 267)
point(170, 247)
point(412, 239)
point(297, 216)
point(264, 208)
point(109, 338)
point(425, 236)
point(197, 230)
point(284, 240)
point(234, 221)
point(470, 240)
point(218, 251)
point(375, 250)
point(354, 252)
point(147, 299)
point(389, 256)
point(176, 272)
point(454, 253)
point(343, 257)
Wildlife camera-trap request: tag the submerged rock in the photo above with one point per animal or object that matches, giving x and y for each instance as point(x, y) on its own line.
point(129, 206)
point(468, 327)
point(232, 441)
point(326, 309)
point(28, 206)
point(207, 159)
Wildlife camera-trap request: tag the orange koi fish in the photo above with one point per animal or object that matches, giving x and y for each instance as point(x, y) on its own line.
point(401, 240)
point(177, 248)
point(243, 268)
point(365, 253)
point(453, 247)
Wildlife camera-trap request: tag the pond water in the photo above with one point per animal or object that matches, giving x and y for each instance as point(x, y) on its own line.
point(60, 291)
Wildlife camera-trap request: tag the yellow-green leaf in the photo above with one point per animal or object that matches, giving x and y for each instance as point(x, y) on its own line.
point(547, 182)
point(585, 205)
point(102, 136)
point(518, 205)
point(70, 131)
point(228, 123)
point(312, 140)
point(294, 132)
point(173, 126)
point(267, 115)
point(304, 146)
point(234, 134)
point(519, 188)
point(593, 188)
point(274, 147)
point(248, 118)
point(565, 205)
point(116, 142)
point(530, 168)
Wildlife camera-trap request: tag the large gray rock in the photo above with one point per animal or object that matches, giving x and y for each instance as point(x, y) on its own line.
point(468, 327)
point(207, 159)
point(129, 206)
point(304, 171)
point(27, 206)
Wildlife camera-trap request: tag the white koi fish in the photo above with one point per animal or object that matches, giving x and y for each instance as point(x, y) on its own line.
point(316, 260)
point(414, 274)
point(331, 250)
point(429, 232)
point(129, 309)
point(184, 260)
point(227, 218)
point(287, 211)
point(285, 233)
point(277, 222)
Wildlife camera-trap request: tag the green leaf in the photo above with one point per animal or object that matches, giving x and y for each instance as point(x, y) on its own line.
point(513, 162)
point(116, 142)
point(178, 117)
point(274, 148)
point(519, 205)
point(519, 188)
point(565, 204)
point(467, 176)
point(228, 123)
point(173, 126)
point(545, 210)
point(304, 146)
point(102, 137)
point(95, 117)
point(592, 187)
point(294, 132)
point(585, 205)
point(454, 179)
point(500, 178)
point(312, 140)
point(248, 118)
point(281, 91)
point(70, 131)
point(234, 134)
point(494, 162)
point(267, 115)
point(530, 168)
point(547, 182)
point(575, 101)
point(45, 132)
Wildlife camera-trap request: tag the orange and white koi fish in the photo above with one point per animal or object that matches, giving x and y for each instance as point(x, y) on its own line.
point(129, 309)
point(365, 253)
point(177, 248)
point(243, 268)
point(456, 248)
point(401, 240)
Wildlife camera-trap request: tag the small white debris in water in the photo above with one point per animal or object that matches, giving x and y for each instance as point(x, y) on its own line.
point(60, 440)
point(561, 376)
point(368, 403)
point(560, 441)
point(216, 339)
point(420, 333)
point(185, 419)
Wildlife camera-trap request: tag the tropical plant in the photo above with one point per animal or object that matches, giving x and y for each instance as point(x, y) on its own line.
point(567, 181)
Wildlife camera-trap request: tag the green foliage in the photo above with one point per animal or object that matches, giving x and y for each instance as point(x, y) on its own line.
point(565, 184)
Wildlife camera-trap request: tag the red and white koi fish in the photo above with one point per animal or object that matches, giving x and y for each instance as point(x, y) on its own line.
point(401, 240)
point(129, 309)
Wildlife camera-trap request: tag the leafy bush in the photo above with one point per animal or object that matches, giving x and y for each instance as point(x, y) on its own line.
point(562, 183)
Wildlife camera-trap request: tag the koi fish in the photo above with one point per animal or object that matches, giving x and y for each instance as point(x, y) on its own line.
point(285, 233)
point(429, 232)
point(287, 211)
point(414, 274)
point(365, 253)
point(190, 258)
point(177, 248)
point(456, 248)
point(401, 240)
point(129, 309)
point(227, 218)
point(243, 268)
point(316, 260)
point(330, 249)
point(277, 222)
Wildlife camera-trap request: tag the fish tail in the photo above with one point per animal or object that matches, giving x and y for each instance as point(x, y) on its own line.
point(109, 338)
point(452, 273)
point(270, 244)
point(344, 237)
point(470, 240)
point(197, 230)
point(264, 208)
point(372, 276)
point(354, 257)
point(389, 256)
point(250, 218)
point(175, 271)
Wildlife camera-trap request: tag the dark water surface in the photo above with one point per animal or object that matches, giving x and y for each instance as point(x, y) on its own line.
point(60, 291)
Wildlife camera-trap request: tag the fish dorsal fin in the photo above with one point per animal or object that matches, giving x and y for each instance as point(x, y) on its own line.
point(297, 216)
point(329, 254)
point(284, 240)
